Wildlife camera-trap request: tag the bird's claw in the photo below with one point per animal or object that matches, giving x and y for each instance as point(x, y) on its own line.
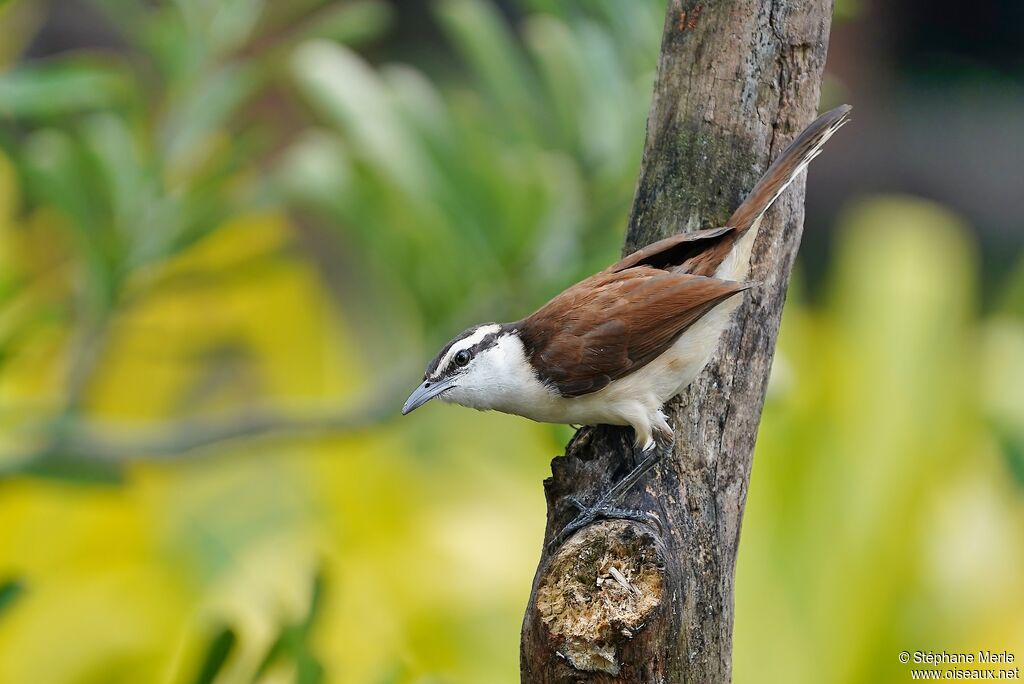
point(589, 514)
point(604, 508)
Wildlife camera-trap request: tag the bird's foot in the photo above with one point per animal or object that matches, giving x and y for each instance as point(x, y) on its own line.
point(599, 511)
point(604, 507)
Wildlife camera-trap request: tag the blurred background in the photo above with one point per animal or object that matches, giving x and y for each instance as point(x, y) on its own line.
point(232, 233)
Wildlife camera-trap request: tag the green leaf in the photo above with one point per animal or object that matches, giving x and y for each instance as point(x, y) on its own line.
point(317, 170)
point(61, 87)
point(116, 154)
point(61, 174)
point(293, 641)
point(217, 654)
point(486, 42)
point(232, 22)
point(70, 469)
point(316, 598)
point(204, 110)
point(10, 591)
point(350, 94)
point(352, 23)
point(610, 111)
point(1011, 443)
point(557, 53)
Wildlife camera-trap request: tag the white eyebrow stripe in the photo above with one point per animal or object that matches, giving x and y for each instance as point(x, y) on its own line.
point(465, 343)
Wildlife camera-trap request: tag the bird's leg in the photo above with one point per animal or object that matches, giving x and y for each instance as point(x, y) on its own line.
point(604, 507)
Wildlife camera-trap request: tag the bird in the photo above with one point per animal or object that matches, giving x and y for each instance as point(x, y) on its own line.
point(615, 347)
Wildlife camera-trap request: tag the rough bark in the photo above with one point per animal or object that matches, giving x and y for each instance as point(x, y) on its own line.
point(626, 601)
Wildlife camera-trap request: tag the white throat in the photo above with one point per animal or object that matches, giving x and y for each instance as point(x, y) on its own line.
point(500, 378)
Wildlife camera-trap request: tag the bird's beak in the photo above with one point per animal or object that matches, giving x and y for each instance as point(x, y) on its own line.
point(424, 393)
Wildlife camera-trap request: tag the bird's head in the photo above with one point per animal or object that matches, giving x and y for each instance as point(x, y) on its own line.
point(470, 370)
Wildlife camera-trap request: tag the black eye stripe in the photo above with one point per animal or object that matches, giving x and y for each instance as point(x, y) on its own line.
point(489, 340)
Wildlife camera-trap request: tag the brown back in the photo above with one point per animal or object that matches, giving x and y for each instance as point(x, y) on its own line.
point(612, 324)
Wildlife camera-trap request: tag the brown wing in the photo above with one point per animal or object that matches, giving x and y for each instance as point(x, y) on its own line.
point(612, 324)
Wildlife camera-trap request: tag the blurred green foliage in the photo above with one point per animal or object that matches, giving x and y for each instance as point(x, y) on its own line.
point(519, 174)
point(223, 244)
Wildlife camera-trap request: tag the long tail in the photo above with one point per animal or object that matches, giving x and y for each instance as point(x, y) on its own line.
point(788, 166)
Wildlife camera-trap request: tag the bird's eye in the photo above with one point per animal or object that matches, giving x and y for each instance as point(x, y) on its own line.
point(462, 358)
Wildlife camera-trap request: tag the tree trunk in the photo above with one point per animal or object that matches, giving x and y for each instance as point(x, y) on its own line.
point(624, 601)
